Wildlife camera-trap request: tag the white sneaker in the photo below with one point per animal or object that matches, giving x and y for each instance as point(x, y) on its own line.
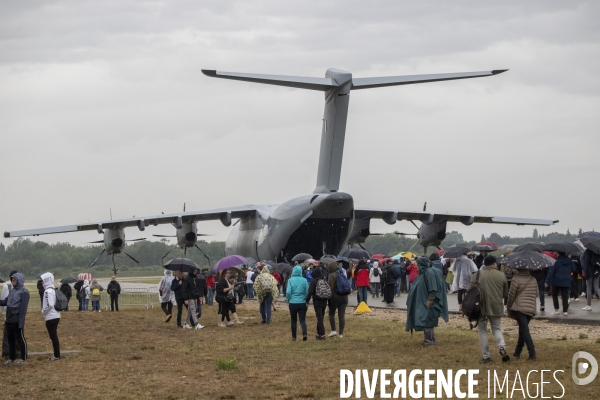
point(199, 326)
point(577, 299)
point(186, 326)
point(569, 301)
point(565, 313)
point(583, 294)
point(556, 312)
point(230, 323)
point(340, 336)
point(332, 333)
point(587, 308)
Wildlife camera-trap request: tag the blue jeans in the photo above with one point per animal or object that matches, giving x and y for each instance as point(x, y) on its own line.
point(375, 286)
point(96, 305)
point(398, 286)
point(209, 296)
point(363, 292)
point(266, 308)
point(250, 290)
point(541, 289)
point(84, 304)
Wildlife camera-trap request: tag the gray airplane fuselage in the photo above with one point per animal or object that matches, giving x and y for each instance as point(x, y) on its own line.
point(319, 223)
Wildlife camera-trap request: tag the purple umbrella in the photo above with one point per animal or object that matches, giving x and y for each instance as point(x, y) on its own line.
point(228, 262)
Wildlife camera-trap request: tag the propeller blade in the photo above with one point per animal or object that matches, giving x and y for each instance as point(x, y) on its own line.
point(136, 240)
point(411, 221)
point(208, 258)
point(131, 257)
point(114, 265)
point(405, 234)
point(97, 241)
point(205, 234)
point(164, 235)
point(94, 263)
point(362, 247)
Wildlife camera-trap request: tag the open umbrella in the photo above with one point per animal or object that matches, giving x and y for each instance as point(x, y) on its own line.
point(301, 257)
point(228, 262)
point(357, 254)
point(69, 279)
point(456, 251)
point(485, 246)
point(532, 246)
point(563, 247)
point(283, 268)
point(591, 243)
point(378, 256)
point(210, 272)
point(528, 259)
point(327, 258)
point(183, 264)
point(589, 234)
point(508, 246)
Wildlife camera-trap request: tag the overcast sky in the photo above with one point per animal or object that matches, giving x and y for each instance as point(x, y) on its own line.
point(103, 105)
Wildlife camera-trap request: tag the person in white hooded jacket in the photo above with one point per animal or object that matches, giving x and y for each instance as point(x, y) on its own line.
point(85, 300)
point(51, 316)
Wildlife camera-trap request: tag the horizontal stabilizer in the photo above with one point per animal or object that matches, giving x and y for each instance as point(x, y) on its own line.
point(300, 82)
point(381, 81)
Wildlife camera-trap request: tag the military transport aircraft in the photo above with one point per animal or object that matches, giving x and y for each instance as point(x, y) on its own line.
point(322, 222)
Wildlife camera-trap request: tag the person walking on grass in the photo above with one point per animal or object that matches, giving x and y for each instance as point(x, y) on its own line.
point(190, 294)
point(226, 298)
point(114, 290)
point(177, 288)
point(165, 293)
point(296, 293)
point(77, 287)
point(51, 315)
point(96, 295)
point(495, 289)
point(559, 278)
point(337, 302)
point(85, 293)
point(521, 305)
point(201, 283)
point(319, 304)
point(463, 269)
point(65, 288)
point(427, 301)
point(16, 309)
point(265, 287)
point(6, 289)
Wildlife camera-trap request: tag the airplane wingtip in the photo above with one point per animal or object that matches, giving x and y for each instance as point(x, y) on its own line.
point(210, 72)
point(498, 71)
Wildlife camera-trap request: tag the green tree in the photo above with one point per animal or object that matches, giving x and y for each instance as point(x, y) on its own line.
point(3, 249)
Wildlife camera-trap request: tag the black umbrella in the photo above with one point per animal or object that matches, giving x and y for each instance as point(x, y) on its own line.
point(484, 246)
point(327, 258)
point(69, 279)
point(589, 234)
point(283, 268)
point(528, 259)
point(532, 246)
point(591, 243)
point(210, 272)
point(357, 254)
point(456, 251)
point(301, 257)
point(563, 247)
point(183, 264)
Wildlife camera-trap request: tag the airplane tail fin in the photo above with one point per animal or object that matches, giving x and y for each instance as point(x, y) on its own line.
point(337, 85)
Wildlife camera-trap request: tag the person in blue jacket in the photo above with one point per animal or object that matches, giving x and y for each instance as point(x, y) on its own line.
point(296, 292)
point(16, 309)
point(559, 278)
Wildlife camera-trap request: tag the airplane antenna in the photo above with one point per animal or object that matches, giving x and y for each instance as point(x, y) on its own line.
point(425, 207)
point(183, 207)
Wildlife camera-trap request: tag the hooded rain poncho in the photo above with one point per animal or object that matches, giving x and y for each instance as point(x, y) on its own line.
point(430, 279)
point(164, 287)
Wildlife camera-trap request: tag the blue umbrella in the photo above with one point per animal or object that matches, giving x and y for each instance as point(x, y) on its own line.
point(228, 262)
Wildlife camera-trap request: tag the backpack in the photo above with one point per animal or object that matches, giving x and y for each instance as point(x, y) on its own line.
point(342, 287)
point(82, 293)
point(322, 291)
point(472, 303)
point(61, 303)
point(376, 272)
point(96, 292)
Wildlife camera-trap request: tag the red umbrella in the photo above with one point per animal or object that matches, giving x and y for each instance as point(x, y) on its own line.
point(378, 256)
point(550, 254)
point(439, 252)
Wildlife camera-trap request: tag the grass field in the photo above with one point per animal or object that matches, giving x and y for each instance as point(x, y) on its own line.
point(135, 354)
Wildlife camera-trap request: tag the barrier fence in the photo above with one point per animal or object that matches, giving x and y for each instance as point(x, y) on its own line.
point(129, 297)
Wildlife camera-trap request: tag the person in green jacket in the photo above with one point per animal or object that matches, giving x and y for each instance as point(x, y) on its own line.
point(296, 292)
point(495, 289)
point(427, 301)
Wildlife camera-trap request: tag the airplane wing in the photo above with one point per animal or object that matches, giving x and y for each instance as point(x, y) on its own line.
point(391, 216)
point(223, 214)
